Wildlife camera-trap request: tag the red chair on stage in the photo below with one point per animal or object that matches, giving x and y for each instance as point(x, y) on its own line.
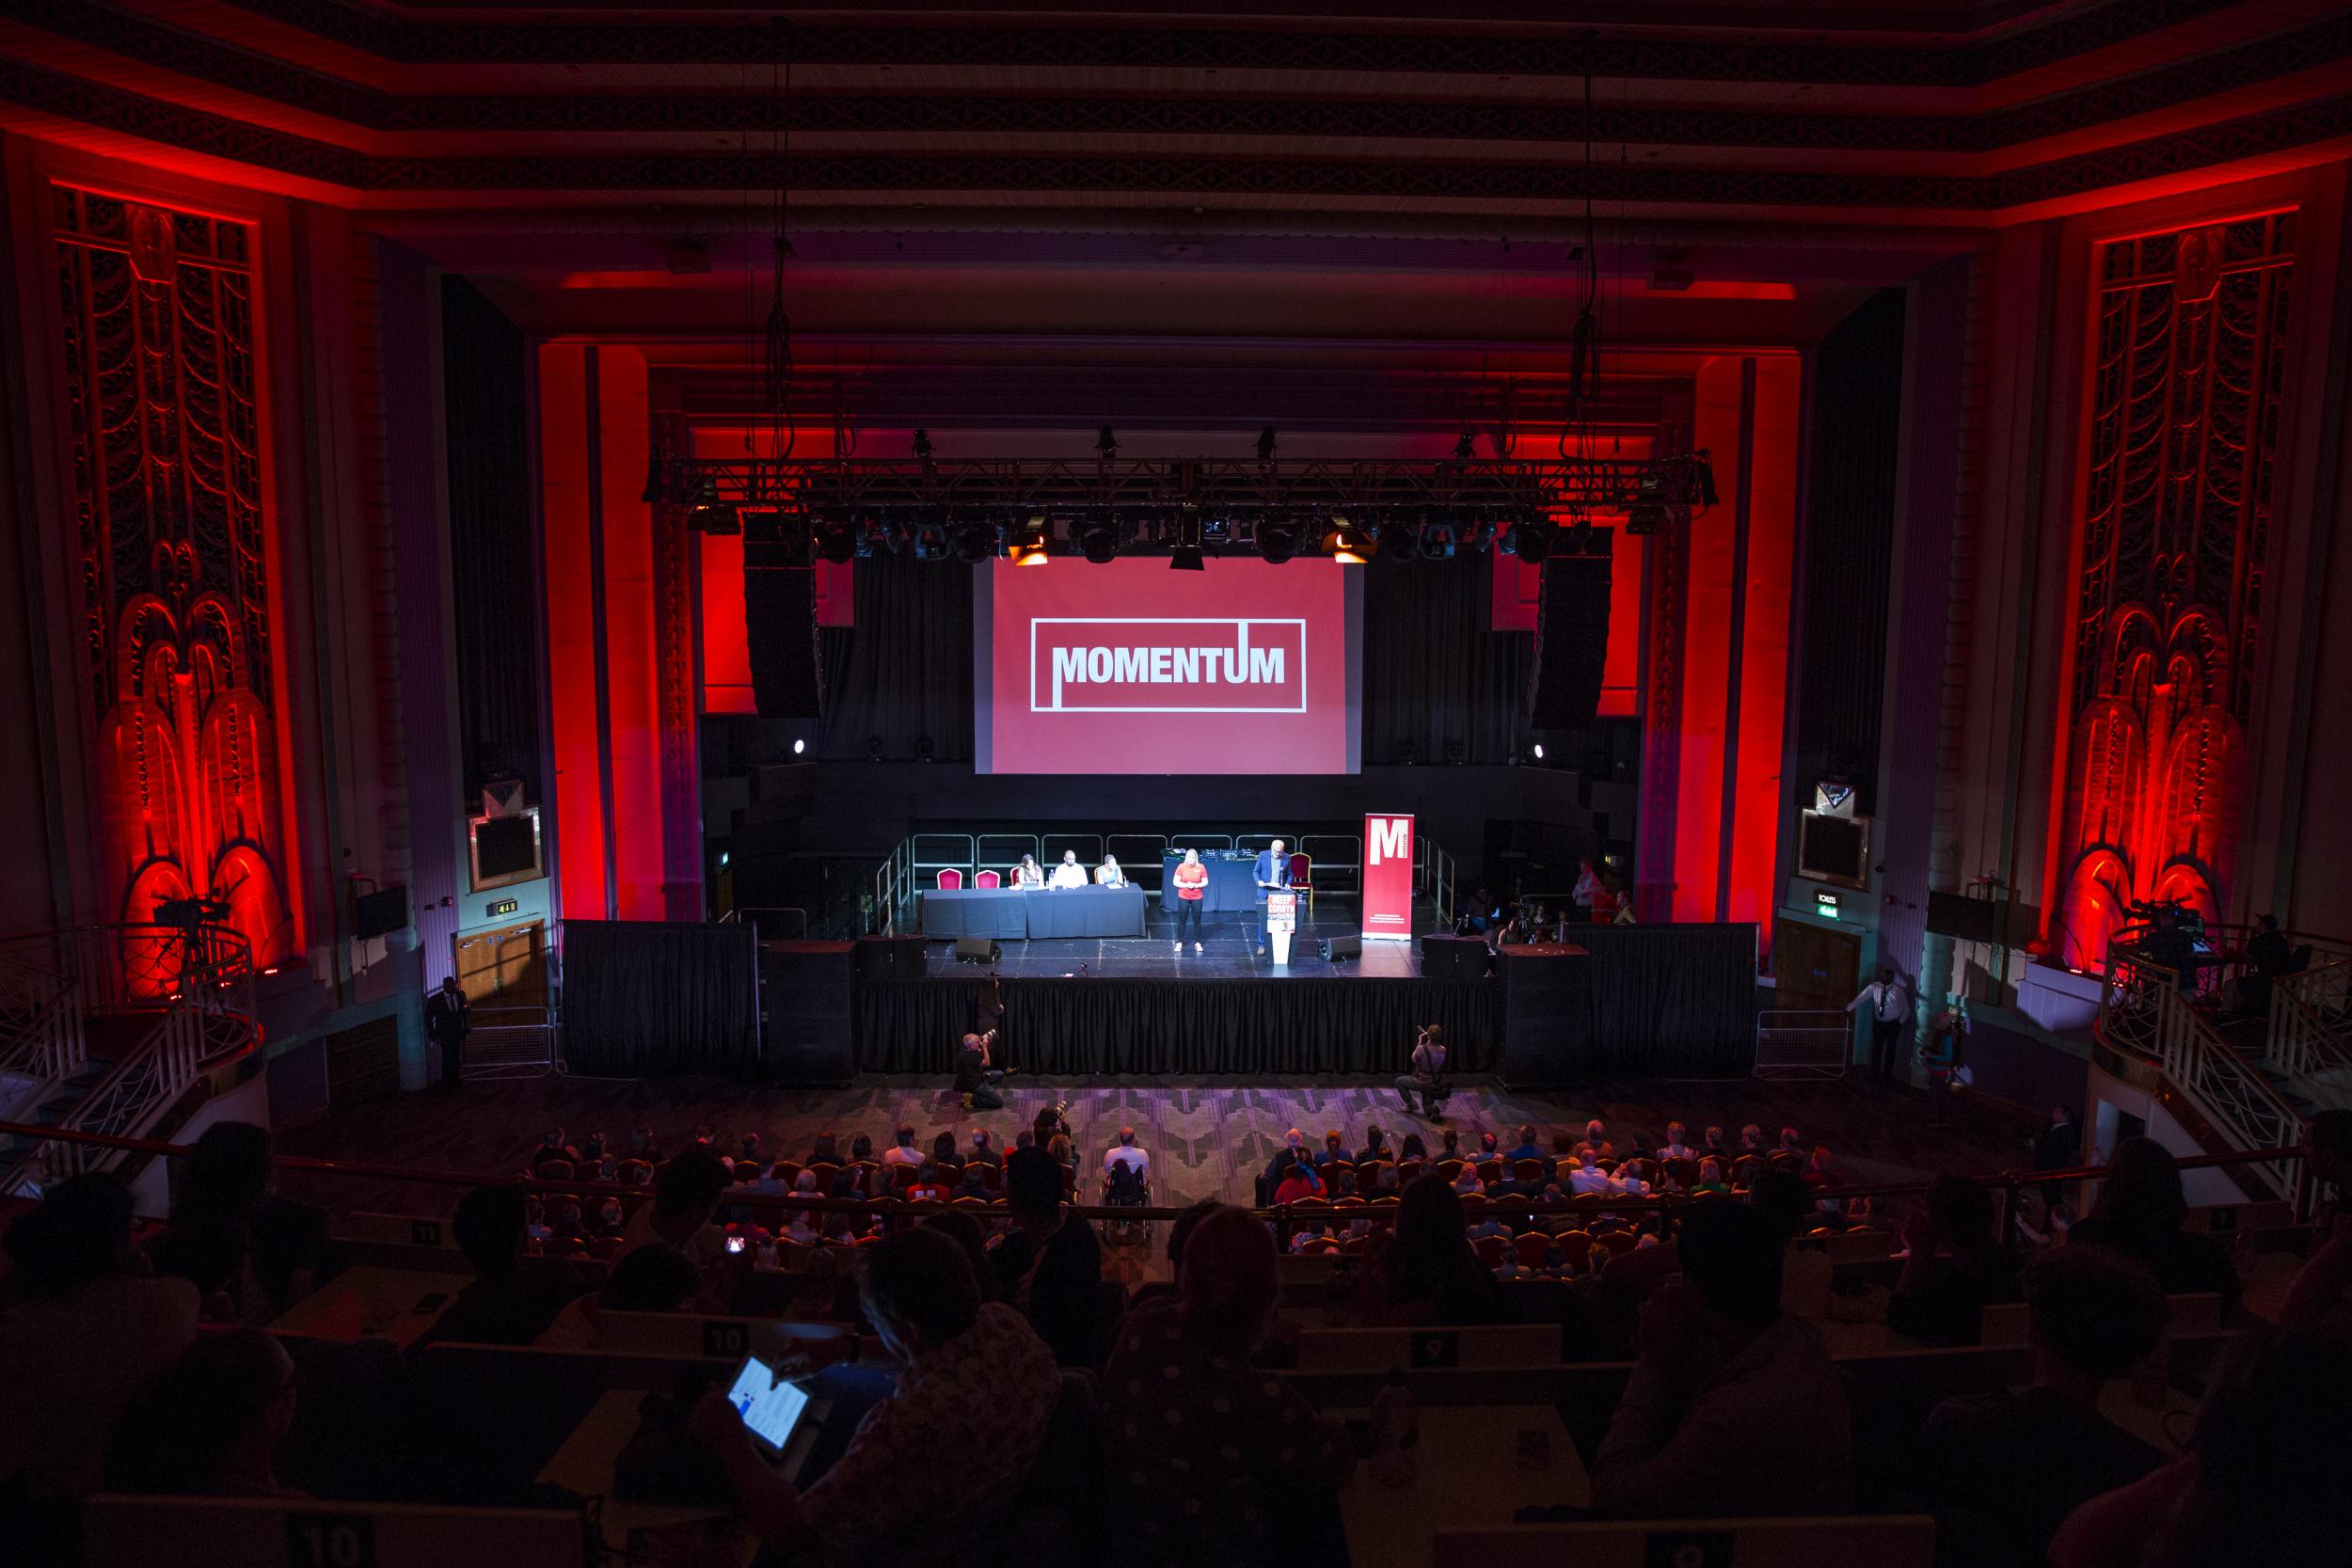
point(1301, 879)
point(987, 879)
point(951, 880)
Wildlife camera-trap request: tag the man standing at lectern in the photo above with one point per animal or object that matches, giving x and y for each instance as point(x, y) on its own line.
point(1273, 875)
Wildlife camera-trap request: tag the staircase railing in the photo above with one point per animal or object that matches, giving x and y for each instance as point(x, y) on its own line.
point(42, 1041)
point(2308, 1032)
point(2142, 1013)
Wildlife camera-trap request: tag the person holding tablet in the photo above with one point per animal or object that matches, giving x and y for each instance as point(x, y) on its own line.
point(1069, 873)
point(1028, 873)
point(1192, 886)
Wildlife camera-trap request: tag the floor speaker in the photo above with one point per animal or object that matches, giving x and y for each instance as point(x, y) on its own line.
point(1453, 958)
point(780, 628)
point(804, 1011)
point(890, 958)
point(1336, 948)
point(976, 950)
point(1571, 637)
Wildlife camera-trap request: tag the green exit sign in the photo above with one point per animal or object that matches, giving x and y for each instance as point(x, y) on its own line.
point(504, 906)
point(1826, 905)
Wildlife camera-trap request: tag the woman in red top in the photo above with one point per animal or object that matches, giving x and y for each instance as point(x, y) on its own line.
point(1192, 883)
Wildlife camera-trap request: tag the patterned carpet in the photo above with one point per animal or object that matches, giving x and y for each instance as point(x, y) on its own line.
point(1207, 1139)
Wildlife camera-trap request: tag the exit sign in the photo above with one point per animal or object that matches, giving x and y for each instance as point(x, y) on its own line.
point(1825, 904)
point(505, 906)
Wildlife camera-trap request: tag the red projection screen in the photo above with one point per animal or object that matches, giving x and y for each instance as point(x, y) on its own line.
point(1129, 667)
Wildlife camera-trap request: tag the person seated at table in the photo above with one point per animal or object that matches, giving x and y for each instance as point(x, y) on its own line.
point(1108, 875)
point(1028, 873)
point(1717, 1361)
point(1068, 873)
point(655, 1277)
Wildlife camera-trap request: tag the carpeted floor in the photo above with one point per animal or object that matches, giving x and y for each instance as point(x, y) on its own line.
point(1206, 1138)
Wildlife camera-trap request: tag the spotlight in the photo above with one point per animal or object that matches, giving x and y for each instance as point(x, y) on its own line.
point(708, 513)
point(923, 749)
point(799, 746)
point(1436, 541)
point(724, 857)
point(1707, 478)
point(1396, 539)
point(1406, 753)
point(1530, 539)
point(1645, 518)
point(1538, 749)
point(873, 747)
point(1277, 542)
point(1184, 553)
point(1347, 543)
point(1265, 445)
point(976, 540)
point(921, 445)
point(838, 540)
point(1105, 444)
point(1456, 753)
point(774, 538)
point(1099, 540)
point(930, 540)
point(1583, 539)
point(1467, 448)
point(1031, 542)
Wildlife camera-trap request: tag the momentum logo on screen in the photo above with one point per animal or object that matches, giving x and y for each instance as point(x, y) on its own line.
point(1111, 664)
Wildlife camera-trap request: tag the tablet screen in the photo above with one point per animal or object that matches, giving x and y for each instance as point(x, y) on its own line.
point(769, 1408)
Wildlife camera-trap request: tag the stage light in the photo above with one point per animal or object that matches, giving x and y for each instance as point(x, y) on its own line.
point(874, 748)
point(1098, 540)
point(1706, 479)
point(1396, 539)
point(1265, 445)
point(1538, 749)
point(1105, 444)
point(1277, 542)
point(799, 746)
point(1347, 543)
point(923, 749)
point(838, 540)
point(1645, 518)
point(1436, 541)
point(1456, 753)
point(1530, 539)
point(1031, 542)
point(930, 542)
point(1583, 539)
point(921, 445)
point(708, 513)
point(1406, 753)
point(724, 858)
point(976, 540)
point(1184, 553)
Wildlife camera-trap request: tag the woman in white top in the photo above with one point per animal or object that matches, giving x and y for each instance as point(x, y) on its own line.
point(1028, 873)
point(1108, 875)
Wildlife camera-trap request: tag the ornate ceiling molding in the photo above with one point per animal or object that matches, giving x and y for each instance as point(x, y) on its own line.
point(204, 58)
point(1554, 52)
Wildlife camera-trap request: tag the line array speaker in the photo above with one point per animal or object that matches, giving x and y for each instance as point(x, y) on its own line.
point(780, 627)
point(1453, 958)
point(804, 1011)
point(1571, 638)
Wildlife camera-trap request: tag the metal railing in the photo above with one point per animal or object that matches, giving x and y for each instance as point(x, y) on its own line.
point(43, 1041)
point(1433, 879)
point(2308, 1032)
point(1803, 1043)
point(2143, 1013)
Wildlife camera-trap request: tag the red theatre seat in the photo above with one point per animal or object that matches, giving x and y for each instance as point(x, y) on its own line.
point(950, 881)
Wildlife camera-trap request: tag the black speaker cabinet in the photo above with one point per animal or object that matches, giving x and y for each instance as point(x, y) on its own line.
point(804, 1012)
point(890, 958)
point(1338, 948)
point(1571, 638)
point(1546, 1020)
point(976, 950)
point(780, 629)
point(1453, 958)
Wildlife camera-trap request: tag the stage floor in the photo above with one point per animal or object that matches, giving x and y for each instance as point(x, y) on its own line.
point(1229, 952)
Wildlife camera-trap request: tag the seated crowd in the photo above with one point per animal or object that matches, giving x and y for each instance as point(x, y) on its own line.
point(1162, 1425)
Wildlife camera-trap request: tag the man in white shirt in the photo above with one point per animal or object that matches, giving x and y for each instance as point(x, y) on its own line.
point(1124, 1152)
point(1068, 873)
point(1889, 1003)
point(1588, 1177)
point(902, 1150)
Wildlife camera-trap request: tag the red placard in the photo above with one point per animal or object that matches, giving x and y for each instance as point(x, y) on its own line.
point(1387, 878)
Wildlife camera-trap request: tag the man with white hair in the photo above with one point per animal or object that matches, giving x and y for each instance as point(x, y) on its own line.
point(1124, 1152)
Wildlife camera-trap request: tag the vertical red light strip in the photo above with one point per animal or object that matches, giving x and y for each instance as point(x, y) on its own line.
point(1707, 651)
point(726, 644)
point(1758, 792)
point(633, 654)
point(575, 725)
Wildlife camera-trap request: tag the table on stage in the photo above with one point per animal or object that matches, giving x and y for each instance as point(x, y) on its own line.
point(1232, 884)
point(1020, 915)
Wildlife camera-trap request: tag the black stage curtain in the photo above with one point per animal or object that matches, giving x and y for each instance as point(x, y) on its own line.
point(493, 566)
point(1435, 668)
point(643, 997)
point(905, 669)
point(1672, 1001)
point(1096, 1027)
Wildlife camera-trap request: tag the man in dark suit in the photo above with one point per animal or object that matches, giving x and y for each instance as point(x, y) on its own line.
point(1272, 875)
point(2058, 1144)
point(446, 1024)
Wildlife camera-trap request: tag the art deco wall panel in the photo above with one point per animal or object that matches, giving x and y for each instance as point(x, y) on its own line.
point(2193, 331)
point(156, 309)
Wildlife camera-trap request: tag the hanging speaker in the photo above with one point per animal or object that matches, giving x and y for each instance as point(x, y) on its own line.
point(780, 625)
point(1571, 635)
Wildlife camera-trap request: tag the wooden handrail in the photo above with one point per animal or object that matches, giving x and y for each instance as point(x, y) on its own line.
point(861, 1206)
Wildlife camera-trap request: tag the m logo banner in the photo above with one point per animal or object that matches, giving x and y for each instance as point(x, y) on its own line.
point(1387, 878)
point(1121, 665)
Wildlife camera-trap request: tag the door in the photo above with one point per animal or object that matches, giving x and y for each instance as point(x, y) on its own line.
point(1813, 967)
point(505, 969)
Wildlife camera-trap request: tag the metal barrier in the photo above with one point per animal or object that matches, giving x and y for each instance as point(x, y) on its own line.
point(1801, 1043)
point(772, 923)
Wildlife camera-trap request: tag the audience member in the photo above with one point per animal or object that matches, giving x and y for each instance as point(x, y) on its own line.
point(1375, 1145)
point(861, 1147)
point(85, 1332)
point(2017, 1464)
point(945, 1156)
point(1717, 1363)
point(2057, 1145)
point(210, 1254)
point(984, 1150)
point(2138, 1213)
point(825, 1150)
point(1299, 1181)
point(902, 1150)
point(1124, 1152)
point(505, 1304)
point(1940, 1300)
point(1427, 1274)
point(685, 1200)
point(226, 1175)
point(1804, 1271)
point(965, 1232)
point(931, 1471)
point(651, 1278)
point(1216, 1461)
point(210, 1424)
point(2263, 1481)
point(1049, 1264)
point(2320, 1296)
point(1525, 1149)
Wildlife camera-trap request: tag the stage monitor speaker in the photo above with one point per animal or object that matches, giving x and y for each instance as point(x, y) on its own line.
point(780, 627)
point(890, 958)
point(1454, 957)
point(1571, 637)
point(1337, 948)
point(804, 1011)
point(976, 950)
